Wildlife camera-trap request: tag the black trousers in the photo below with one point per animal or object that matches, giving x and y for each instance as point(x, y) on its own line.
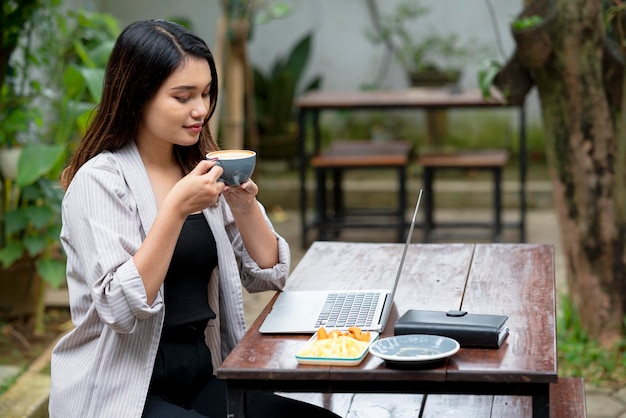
point(183, 384)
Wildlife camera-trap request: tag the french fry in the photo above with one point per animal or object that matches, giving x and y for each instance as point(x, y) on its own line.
point(337, 344)
point(322, 334)
point(364, 336)
point(335, 333)
point(355, 331)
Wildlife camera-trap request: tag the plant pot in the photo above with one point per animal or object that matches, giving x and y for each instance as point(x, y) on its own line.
point(20, 289)
point(514, 81)
point(436, 119)
point(8, 162)
point(433, 78)
point(534, 44)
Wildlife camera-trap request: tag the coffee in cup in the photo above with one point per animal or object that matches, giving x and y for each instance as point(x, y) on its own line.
point(238, 165)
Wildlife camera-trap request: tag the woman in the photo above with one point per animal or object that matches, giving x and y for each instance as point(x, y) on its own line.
point(158, 248)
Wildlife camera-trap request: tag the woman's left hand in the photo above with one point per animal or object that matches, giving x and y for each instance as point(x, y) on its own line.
point(241, 198)
point(258, 238)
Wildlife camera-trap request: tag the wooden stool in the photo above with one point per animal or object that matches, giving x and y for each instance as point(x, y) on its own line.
point(490, 160)
point(345, 155)
point(567, 400)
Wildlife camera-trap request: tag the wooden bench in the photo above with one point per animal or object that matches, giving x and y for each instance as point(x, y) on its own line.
point(343, 155)
point(567, 400)
point(489, 160)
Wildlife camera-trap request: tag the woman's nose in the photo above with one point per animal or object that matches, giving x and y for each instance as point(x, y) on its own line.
point(200, 109)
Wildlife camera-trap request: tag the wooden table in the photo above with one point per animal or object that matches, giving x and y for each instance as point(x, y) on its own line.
point(429, 99)
point(512, 279)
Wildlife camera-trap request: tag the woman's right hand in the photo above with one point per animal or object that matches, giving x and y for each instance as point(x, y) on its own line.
point(197, 190)
point(194, 192)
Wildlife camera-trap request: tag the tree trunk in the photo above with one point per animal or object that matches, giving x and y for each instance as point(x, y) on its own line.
point(587, 165)
point(235, 71)
point(219, 57)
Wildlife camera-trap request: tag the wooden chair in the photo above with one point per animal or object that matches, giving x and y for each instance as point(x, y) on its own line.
point(567, 400)
point(489, 160)
point(344, 155)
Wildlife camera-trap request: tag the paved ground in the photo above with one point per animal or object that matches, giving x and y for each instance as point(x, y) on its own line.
point(542, 227)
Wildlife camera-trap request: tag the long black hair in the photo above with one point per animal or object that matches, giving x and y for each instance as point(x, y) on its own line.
point(145, 54)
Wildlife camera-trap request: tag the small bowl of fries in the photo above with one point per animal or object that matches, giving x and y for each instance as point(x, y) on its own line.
point(336, 347)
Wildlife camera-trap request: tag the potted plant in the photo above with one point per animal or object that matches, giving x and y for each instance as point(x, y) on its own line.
point(38, 76)
point(513, 80)
point(15, 114)
point(429, 60)
point(274, 95)
point(21, 205)
point(531, 31)
point(487, 73)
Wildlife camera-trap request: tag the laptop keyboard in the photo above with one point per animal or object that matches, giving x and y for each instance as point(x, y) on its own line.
point(344, 310)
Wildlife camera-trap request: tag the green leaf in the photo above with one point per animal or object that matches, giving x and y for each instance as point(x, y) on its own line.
point(297, 59)
point(11, 253)
point(314, 84)
point(274, 94)
point(83, 122)
point(261, 82)
point(32, 193)
point(73, 82)
point(36, 161)
point(79, 108)
point(100, 54)
point(271, 12)
point(15, 221)
point(34, 244)
point(486, 74)
point(39, 216)
point(82, 53)
point(51, 271)
point(93, 77)
point(53, 232)
point(527, 22)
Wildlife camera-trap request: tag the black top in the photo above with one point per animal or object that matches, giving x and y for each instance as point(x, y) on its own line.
point(187, 279)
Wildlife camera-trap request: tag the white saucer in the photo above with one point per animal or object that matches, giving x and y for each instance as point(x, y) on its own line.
point(414, 349)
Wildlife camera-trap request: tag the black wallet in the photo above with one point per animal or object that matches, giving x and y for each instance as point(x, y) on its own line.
point(470, 330)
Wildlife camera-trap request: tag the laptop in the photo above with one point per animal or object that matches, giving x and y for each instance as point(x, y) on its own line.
point(306, 311)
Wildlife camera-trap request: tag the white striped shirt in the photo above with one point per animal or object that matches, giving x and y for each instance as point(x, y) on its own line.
point(102, 368)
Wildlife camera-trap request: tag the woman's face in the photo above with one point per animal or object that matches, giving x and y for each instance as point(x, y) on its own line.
point(176, 113)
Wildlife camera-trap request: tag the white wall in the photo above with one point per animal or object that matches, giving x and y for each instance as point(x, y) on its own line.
point(341, 52)
point(203, 14)
point(347, 59)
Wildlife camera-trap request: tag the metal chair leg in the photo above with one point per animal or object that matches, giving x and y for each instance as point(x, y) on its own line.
point(429, 203)
point(497, 204)
point(320, 203)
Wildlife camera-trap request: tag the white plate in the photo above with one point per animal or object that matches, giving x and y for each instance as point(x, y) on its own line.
point(414, 349)
point(335, 361)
